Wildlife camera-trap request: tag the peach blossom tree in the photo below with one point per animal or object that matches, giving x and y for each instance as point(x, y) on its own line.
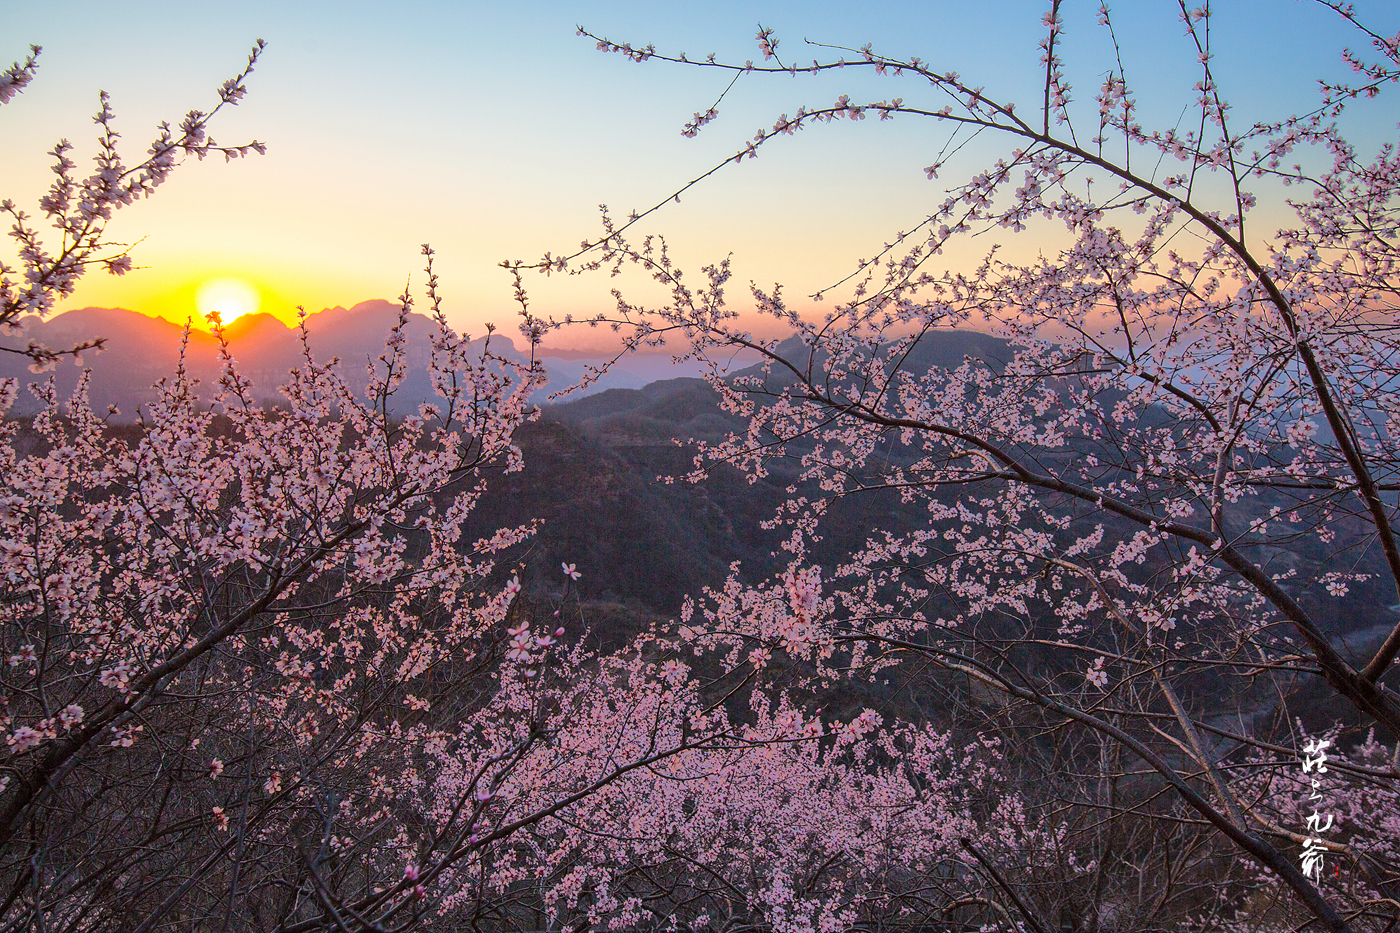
point(1150, 506)
point(258, 672)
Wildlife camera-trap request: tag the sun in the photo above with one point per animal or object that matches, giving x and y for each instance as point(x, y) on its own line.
point(227, 298)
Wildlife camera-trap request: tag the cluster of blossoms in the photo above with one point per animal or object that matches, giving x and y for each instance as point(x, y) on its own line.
point(771, 802)
point(118, 676)
point(79, 208)
point(523, 645)
point(15, 78)
point(27, 737)
point(1148, 468)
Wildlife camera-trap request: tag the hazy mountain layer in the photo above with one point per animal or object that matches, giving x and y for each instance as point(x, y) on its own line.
point(142, 350)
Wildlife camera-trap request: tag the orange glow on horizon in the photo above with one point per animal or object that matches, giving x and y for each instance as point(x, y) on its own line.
point(192, 296)
point(227, 300)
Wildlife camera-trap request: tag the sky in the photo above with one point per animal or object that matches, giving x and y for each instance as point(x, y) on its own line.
point(493, 132)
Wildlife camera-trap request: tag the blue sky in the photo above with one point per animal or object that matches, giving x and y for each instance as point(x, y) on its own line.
point(493, 131)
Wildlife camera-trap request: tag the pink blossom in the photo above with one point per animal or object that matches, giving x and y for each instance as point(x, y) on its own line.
point(24, 738)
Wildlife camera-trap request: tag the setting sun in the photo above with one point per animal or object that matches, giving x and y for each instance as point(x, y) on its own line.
point(227, 298)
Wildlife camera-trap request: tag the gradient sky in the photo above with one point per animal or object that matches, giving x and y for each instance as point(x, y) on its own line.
point(492, 131)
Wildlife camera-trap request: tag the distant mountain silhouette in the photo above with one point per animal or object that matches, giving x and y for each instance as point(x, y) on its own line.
point(142, 350)
point(938, 349)
point(139, 351)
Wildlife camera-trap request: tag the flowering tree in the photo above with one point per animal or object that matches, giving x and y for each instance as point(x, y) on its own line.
point(789, 822)
point(212, 621)
point(1138, 507)
point(257, 677)
point(257, 673)
point(79, 209)
point(224, 633)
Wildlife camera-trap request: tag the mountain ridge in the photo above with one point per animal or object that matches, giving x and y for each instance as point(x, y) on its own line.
point(141, 350)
